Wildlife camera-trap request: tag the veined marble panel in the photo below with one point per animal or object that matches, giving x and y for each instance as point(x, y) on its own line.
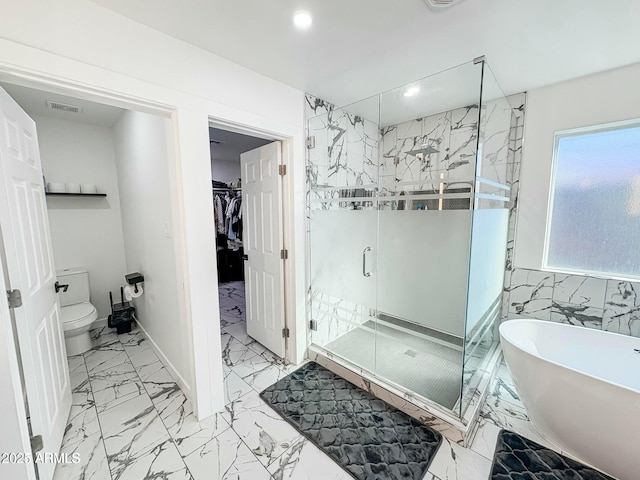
point(316, 106)
point(303, 461)
point(530, 293)
point(161, 461)
point(579, 315)
point(338, 173)
point(266, 434)
point(105, 357)
point(130, 430)
point(187, 432)
point(579, 290)
point(622, 308)
point(463, 141)
point(93, 463)
point(226, 457)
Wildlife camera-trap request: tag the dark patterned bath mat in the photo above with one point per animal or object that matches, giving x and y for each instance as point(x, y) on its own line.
point(518, 458)
point(367, 437)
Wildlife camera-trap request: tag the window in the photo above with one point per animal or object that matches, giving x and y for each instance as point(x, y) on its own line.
point(594, 224)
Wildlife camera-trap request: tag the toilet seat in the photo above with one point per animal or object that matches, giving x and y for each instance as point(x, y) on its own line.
point(78, 315)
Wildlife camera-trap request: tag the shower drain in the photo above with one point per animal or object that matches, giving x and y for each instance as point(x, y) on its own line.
point(411, 353)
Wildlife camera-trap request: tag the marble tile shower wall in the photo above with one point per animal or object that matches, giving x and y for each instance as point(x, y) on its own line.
point(345, 155)
point(453, 134)
point(600, 303)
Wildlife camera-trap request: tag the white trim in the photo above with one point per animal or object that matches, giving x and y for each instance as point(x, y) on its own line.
point(288, 221)
point(184, 386)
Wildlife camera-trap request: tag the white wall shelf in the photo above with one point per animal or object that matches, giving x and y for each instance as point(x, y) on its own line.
point(66, 194)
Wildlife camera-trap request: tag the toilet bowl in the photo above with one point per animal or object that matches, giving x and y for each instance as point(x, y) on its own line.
point(76, 322)
point(77, 314)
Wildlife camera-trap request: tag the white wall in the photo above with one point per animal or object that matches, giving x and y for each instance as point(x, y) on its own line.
point(225, 171)
point(142, 144)
point(103, 54)
point(602, 98)
point(85, 231)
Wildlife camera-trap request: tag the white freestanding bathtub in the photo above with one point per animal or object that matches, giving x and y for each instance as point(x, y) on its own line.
point(581, 388)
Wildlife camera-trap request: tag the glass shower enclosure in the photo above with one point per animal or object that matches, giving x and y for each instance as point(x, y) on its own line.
point(408, 203)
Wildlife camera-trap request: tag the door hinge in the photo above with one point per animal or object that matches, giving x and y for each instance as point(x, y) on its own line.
point(282, 170)
point(313, 325)
point(284, 254)
point(311, 142)
point(285, 332)
point(36, 443)
point(14, 298)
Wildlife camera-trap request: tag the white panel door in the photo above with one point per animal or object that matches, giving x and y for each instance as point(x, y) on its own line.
point(262, 240)
point(25, 226)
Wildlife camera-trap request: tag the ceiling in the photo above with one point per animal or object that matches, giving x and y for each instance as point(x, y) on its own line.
point(358, 48)
point(34, 102)
point(232, 145)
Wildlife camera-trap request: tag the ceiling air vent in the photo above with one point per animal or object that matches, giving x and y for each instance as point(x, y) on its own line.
point(441, 4)
point(63, 106)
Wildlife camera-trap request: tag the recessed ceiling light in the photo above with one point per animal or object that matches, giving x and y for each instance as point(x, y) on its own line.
point(411, 91)
point(302, 20)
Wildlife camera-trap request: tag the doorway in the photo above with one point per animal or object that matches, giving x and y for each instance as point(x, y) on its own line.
point(246, 187)
point(106, 210)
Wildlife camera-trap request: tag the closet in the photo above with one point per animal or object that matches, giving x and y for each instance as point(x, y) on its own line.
point(227, 208)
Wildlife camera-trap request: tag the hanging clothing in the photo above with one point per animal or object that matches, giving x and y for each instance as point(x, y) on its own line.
point(218, 213)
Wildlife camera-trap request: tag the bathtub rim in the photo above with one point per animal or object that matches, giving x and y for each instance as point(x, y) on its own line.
point(503, 337)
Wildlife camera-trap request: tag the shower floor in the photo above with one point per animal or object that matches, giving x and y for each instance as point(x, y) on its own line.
point(430, 369)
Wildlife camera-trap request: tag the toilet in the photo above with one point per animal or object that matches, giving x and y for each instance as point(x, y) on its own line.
point(76, 312)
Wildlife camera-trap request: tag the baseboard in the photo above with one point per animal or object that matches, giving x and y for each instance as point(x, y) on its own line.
point(184, 386)
point(99, 323)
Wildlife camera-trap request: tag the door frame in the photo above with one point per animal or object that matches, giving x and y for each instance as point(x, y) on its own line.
point(206, 394)
point(286, 198)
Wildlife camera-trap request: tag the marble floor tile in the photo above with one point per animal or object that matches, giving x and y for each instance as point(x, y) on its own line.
point(113, 391)
point(187, 432)
point(226, 457)
point(102, 335)
point(83, 420)
point(76, 364)
point(235, 352)
point(453, 462)
point(92, 463)
point(161, 461)
point(234, 387)
point(104, 357)
point(484, 442)
point(260, 427)
point(134, 338)
point(239, 332)
point(160, 385)
point(259, 372)
point(140, 356)
point(304, 461)
point(131, 429)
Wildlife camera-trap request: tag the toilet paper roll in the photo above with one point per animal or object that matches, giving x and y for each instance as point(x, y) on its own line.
point(88, 188)
point(130, 292)
point(73, 188)
point(57, 187)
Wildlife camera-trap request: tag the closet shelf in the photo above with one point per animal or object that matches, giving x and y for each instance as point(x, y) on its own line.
point(65, 194)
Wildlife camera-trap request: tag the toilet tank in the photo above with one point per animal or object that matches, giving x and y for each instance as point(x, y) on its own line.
point(78, 281)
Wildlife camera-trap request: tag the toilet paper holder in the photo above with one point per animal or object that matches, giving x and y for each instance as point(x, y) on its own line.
point(134, 279)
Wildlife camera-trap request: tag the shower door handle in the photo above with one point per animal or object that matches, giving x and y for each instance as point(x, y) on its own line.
point(364, 262)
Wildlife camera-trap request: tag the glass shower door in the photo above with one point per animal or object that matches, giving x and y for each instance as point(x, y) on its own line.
point(488, 238)
point(429, 139)
point(343, 175)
